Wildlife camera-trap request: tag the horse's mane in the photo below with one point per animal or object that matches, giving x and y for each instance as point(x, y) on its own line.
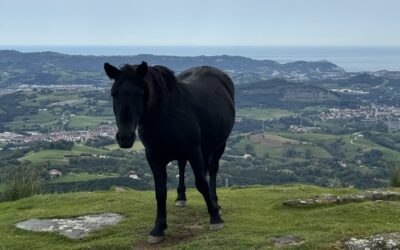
point(160, 81)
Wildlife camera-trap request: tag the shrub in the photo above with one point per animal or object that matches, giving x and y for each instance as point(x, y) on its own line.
point(394, 174)
point(22, 182)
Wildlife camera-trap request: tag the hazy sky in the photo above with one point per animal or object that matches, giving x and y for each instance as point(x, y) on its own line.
point(202, 22)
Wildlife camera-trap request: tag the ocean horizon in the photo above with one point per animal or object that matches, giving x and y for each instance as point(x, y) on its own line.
point(351, 58)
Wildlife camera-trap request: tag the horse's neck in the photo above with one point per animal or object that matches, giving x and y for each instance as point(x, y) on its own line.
point(157, 111)
point(154, 115)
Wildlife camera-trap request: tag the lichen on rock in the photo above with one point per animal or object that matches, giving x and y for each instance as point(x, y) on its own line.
point(73, 228)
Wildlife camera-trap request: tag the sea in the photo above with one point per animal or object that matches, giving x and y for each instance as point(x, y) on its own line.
point(352, 59)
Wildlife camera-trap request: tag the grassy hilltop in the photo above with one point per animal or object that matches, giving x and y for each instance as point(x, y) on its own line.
point(252, 217)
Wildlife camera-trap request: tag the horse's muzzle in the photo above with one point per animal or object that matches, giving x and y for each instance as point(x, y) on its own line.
point(125, 141)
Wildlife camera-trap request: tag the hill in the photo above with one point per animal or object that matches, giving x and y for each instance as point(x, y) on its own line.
point(56, 68)
point(252, 215)
point(280, 93)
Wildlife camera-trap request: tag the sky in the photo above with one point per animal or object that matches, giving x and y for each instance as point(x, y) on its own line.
point(202, 22)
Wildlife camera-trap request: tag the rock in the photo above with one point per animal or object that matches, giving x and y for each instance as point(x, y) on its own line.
point(333, 199)
point(286, 240)
point(74, 228)
point(389, 241)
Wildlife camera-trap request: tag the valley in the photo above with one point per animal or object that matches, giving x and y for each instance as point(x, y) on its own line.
point(335, 131)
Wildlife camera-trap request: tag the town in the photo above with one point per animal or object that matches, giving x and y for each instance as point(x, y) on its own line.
point(73, 136)
point(382, 112)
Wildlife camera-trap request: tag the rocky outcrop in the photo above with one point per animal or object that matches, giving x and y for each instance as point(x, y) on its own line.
point(338, 199)
point(387, 241)
point(74, 228)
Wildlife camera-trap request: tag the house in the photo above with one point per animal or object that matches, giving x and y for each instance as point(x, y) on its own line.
point(55, 173)
point(133, 175)
point(247, 156)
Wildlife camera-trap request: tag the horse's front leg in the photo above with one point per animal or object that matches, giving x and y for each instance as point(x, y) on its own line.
point(160, 181)
point(181, 190)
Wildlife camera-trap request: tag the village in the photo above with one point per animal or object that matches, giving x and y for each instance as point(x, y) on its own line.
point(363, 112)
point(73, 136)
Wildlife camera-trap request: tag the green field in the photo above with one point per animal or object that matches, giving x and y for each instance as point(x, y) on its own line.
point(137, 146)
point(351, 146)
point(263, 114)
point(273, 145)
point(76, 177)
point(84, 122)
point(312, 137)
point(42, 119)
point(58, 97)
point(55, 155)
point(252, 217)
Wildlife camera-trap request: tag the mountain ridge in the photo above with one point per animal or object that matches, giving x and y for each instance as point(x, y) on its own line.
point(52, 67)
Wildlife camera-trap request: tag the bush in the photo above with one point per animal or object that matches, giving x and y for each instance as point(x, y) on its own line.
point(394, 174)
point(22, 182)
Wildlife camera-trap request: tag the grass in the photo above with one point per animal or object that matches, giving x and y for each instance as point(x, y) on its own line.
point(252, 216)
point(76, 177)
point(263, 114)
point(22, 182)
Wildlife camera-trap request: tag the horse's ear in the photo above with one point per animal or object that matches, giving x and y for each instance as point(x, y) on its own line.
point(111, 71)
point(142, 69)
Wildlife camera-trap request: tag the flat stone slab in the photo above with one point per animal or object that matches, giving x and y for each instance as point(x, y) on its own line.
point(73, 228)
point(334, 199)
point(389, 241)
point(286, 240)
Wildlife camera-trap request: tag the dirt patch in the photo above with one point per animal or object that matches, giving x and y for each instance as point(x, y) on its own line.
point(181, 228)
point(271, 140)
point(286, 240)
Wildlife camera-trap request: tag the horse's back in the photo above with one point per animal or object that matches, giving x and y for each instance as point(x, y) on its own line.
point(207, 75)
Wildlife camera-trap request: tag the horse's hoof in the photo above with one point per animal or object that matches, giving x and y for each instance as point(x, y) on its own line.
point(180, 203)
point(154, 239)
point(215, 227)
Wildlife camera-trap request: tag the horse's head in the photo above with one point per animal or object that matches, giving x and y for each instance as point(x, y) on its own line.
point(127, 92)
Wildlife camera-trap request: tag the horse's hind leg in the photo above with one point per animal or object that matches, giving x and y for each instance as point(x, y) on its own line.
point(213, 170)
point(198, 166)
point(181, 199)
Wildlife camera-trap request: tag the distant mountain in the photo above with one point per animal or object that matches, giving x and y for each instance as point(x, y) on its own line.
point(55, 68)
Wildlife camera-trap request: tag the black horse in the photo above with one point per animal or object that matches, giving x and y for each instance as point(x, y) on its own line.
point(184, 118)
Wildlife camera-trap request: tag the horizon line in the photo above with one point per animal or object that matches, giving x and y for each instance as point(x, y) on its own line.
point(190, 45)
